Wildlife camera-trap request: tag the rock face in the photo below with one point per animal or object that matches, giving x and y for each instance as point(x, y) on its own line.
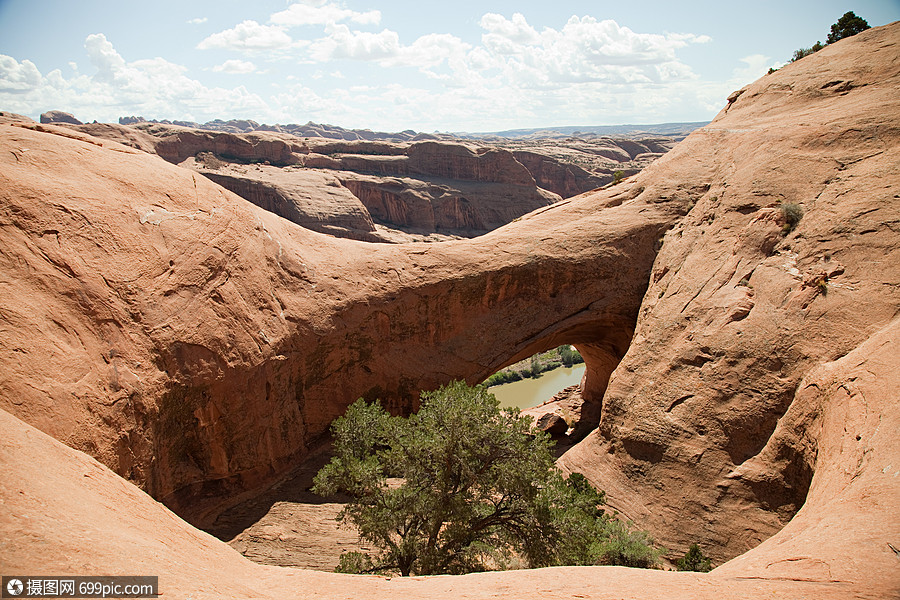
point(552, 423)
point(744, 366)
point(559, 178)
point(741, 310)
point(424, 188)
point(416, 189)
point(58, 116)
point(310, 198)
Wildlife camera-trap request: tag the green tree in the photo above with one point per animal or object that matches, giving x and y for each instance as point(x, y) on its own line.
point(846, 26)
point(694, 560)
point(460, 486)
point(569, 356)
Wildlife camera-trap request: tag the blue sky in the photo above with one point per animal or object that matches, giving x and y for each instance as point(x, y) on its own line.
point(449, 66)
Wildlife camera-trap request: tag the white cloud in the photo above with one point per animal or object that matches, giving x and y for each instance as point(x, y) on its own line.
point(584, 50)
point(516, 30)
point(322, 13)
point(198, 21)
point(235, 66)
point(342, 43)
point(248, 35)
point(755, 66)
point(154, 88)
point(16, 77)
point(515, 53)
point(431, 50)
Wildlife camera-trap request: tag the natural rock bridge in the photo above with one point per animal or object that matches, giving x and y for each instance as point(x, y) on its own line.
point(224, 340)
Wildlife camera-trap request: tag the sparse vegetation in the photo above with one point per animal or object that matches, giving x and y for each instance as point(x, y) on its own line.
point(622, 546)
point(618, 176)
point(694, 560)
point(804, 52)
point(463, 486)
point(792, 213)
point(209, 160)
point(846, 26)
point(564, 355)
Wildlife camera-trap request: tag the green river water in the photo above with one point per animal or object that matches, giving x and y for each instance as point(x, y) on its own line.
point(536, 390)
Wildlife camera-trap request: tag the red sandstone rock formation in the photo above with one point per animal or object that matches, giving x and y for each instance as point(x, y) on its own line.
point(197, 345)
point(739, 310)
point(311, 198)
point(58, 116)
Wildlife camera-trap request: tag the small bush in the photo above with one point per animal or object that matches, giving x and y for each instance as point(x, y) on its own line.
point(694, 560)
point(625, 547)
point(354, 562)
point(569, 356)
point(618, 176)
point(804, 52)
point(792, 214)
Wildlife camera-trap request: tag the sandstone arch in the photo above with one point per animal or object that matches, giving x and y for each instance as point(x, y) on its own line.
point(233, 338)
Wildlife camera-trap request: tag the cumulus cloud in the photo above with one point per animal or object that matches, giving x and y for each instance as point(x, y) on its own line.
point(317, 12)
point(584, 50)
point(515, 30)
point(235, 66)
point(155, 88)
point(248, 35)
point(342, 43)
point(197, 21)
point(514, 52)
point(17, 77)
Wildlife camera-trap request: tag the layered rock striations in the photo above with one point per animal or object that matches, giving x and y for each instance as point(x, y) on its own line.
point(743, 363)
point(744, 304)
point(412, 190)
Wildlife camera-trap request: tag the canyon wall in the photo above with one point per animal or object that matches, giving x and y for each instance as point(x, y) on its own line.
point(419, 188)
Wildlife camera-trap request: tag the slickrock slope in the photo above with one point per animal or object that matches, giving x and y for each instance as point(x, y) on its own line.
point(64, 513)
point(198, 345)
point(698, 437)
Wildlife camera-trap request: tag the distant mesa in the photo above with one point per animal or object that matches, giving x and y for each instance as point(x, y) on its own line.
point(58, 116)
point(310, 129)
point(387, 187)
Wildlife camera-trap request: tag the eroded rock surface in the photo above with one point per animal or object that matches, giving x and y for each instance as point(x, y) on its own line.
point(740, 308)
point(423, 189)
point(58, 116)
